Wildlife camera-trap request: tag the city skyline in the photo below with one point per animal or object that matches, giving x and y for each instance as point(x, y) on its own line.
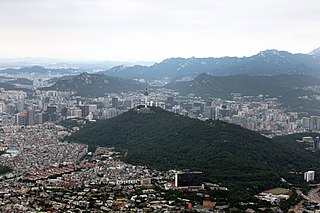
point(152, 31)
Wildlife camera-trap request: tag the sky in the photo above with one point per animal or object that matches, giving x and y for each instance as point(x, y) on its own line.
point(153, 30)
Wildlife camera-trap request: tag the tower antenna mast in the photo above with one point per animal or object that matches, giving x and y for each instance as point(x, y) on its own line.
point(146, 95)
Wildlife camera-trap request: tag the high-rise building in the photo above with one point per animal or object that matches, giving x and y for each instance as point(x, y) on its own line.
point(305, 122)
point(208, 112)
point(309, 176)
point(22, 118)
point(31, 117)
point(224, 112)
point(112, 112)
point(84, 111)
point(169, 102)
point(39, 117)
point(199, 106)
point(114, 103)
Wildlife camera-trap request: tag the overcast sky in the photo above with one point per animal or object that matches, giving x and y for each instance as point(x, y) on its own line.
point(152, 30)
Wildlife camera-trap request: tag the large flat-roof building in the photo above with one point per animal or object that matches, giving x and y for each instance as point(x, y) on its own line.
point(185, 179)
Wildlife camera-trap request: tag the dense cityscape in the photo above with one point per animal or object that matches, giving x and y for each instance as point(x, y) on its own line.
point(262, 114)
point(53, 175)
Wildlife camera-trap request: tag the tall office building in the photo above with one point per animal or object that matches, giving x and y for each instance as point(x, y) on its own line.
point(114, 103)
point(22, 118)
point(31, 117)
point(309, 176)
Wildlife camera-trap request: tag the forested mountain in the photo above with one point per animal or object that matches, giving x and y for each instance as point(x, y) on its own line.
point(95, 85)
point(225, 152)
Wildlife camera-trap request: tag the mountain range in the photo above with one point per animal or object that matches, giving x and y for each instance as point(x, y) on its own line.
point(269, 62)
point(95, 85)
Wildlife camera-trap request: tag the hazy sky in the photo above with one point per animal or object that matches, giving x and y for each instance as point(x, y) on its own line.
point(153, 30)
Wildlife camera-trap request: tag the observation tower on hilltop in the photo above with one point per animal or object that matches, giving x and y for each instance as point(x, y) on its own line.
point(146, 93)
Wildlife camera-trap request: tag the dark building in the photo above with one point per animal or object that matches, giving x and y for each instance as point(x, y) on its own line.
point(225, 112)
point(51, 109)
point(84, 111)
point(64, 112)
point(31, 117)
point(114, 103)
point(198, 106)
point(184, 179)
point(50, 114)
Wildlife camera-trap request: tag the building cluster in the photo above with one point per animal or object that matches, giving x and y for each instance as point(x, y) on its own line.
point(274, 196)
point(16, 108)
point(37, 147)
point(259, 113)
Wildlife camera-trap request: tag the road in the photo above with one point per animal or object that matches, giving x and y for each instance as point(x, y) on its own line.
point(314, 195)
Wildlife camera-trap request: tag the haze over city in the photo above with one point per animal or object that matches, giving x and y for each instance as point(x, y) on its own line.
point(127, 30)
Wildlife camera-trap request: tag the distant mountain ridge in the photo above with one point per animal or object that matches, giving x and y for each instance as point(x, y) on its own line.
point(38, 70)
point(95, 85)
point(269, 62)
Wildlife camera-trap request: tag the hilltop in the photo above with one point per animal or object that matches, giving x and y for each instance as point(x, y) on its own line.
point(227, 153)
